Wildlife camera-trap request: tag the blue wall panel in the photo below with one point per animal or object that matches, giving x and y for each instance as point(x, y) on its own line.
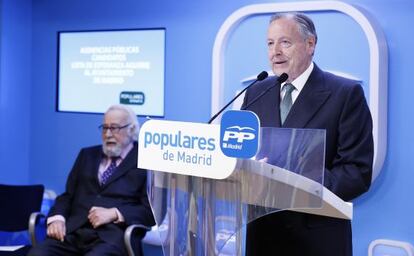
point(15, 89)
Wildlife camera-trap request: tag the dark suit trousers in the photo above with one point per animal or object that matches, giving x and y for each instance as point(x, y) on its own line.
point(84, 241)
point(297, 234)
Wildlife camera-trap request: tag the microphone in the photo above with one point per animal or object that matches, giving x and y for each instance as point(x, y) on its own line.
point(262, 76)
point(283, 77)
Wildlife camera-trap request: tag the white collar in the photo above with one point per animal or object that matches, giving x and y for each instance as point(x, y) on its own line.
point(300, 81)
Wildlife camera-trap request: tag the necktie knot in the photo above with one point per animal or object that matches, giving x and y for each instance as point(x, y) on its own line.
point(114, 159)
point(288, 88)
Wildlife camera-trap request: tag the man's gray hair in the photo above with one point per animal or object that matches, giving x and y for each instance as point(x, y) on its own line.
point(132, 117)
point(306, 26)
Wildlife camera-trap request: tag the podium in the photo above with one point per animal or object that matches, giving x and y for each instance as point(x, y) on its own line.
point(207, 216)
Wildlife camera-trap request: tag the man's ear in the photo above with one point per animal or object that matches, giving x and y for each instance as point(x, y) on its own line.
point(311, 44)
point(132, 128)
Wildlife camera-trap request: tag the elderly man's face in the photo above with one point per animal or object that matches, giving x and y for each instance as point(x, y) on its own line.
point(116, 133)
point(288, 51)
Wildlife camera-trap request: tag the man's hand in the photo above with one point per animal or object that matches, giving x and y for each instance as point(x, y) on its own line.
point(264, 159)
point(99, 216)
point(57, 230)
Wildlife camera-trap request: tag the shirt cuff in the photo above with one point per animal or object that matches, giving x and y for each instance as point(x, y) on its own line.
point(119, 217)
point(55, 218)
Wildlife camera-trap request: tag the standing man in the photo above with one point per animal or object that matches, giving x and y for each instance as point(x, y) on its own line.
point(105, 193)
point(314, 99)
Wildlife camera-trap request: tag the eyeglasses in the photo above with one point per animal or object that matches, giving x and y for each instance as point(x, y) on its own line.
point(113, 128)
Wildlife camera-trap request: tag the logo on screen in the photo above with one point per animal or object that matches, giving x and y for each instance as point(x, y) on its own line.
point(239, 134)
point(132, 98)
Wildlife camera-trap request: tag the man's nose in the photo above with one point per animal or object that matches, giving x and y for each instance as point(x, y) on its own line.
point(276, 50)
point(108, 132)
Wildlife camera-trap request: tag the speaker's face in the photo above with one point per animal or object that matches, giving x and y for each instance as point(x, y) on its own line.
point(289, 51)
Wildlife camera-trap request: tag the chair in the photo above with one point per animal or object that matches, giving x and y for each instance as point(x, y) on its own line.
point(128, 235)
point(21, 206)
point(155, 235)
point(390, 247)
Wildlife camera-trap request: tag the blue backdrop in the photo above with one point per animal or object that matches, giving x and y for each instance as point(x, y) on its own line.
point(39, 145)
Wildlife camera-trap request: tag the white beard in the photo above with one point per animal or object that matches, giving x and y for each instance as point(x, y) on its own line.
point(112, 151)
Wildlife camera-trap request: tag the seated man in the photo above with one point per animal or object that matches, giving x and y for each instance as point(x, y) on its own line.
point(105, 192)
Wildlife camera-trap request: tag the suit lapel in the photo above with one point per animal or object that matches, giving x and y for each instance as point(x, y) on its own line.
point(127, 164)
point(313, 95)
point(277, 107)
point(269, 112)
point(96, 166)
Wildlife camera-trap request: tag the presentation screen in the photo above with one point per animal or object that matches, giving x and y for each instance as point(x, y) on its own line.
point(97, 69)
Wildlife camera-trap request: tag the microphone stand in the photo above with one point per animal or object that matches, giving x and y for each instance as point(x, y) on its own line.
point(260, 77)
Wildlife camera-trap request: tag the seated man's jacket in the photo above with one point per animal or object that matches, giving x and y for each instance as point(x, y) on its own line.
point(125, 190)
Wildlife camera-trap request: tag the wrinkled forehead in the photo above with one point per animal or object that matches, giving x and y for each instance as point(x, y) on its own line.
point(282, 28)
point(115, 116)
point(284, 22)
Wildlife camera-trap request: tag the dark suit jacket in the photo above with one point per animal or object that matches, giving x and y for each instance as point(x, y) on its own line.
point(337, 105)
point(125, 190)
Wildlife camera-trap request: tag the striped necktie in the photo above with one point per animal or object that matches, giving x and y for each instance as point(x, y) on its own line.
point(286, 102)
point(109, 171)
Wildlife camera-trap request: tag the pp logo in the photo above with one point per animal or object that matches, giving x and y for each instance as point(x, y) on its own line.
point(239, 134)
